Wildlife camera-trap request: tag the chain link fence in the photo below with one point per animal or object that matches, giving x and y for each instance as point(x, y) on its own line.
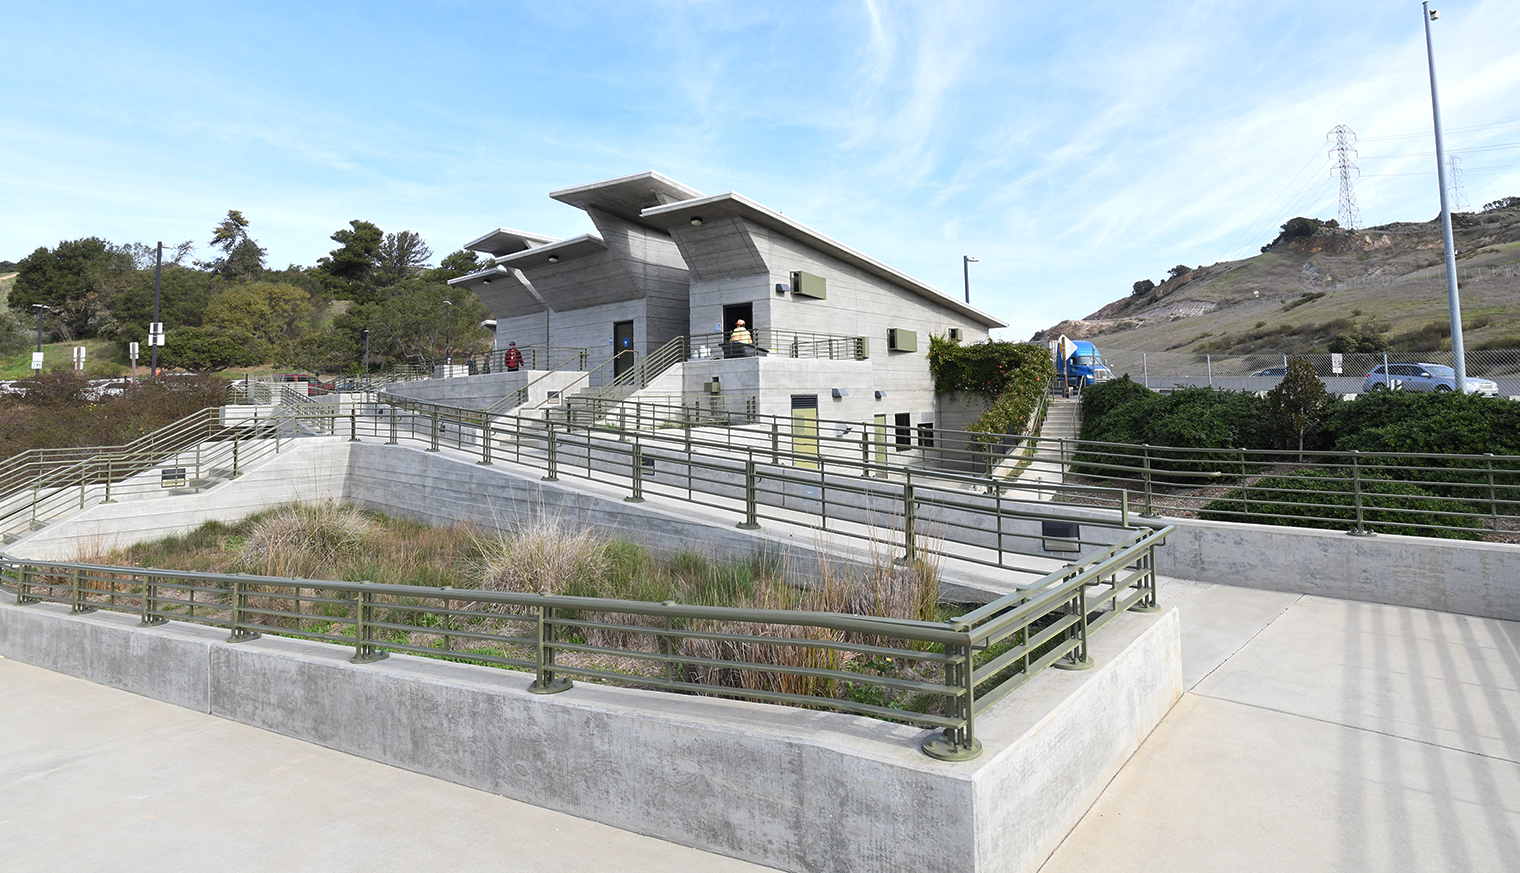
point(1342, 374)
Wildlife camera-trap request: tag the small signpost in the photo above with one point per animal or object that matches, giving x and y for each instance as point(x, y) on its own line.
point(156, 333)
point(78, 358)
point(1335, 363)
point(132, 353)
point(37, 361)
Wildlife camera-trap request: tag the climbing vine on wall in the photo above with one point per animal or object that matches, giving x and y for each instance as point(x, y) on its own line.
point(1012, 375)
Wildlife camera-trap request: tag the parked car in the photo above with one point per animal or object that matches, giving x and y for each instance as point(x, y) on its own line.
point(1270, 373)
point(314, 386)
point(1422, 377)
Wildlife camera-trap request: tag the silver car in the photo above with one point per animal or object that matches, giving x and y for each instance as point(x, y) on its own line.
point(1422, 377)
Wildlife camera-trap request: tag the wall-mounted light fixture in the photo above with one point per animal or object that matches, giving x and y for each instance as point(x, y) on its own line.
point(485, 281)
point(880, 395)
point(554, 259)
point(783, 288)
point(841, 392)
point(696, 221)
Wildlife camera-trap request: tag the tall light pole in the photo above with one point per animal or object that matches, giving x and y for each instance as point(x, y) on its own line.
point(966, 262)
point(154, 340)
point(448, 337)
point(1458, 353)
point(366, 357)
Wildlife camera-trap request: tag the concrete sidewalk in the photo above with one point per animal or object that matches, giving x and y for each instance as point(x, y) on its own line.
point(92, 778)
point(1320, 734)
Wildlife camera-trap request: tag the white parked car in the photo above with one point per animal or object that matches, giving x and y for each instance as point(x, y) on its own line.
point(1423, 377)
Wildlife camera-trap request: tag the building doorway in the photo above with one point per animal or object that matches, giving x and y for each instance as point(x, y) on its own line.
point(732, 315)
point(623, 352)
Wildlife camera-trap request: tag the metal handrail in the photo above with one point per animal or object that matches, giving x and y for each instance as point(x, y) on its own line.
point(677, 647)
point(782, 343)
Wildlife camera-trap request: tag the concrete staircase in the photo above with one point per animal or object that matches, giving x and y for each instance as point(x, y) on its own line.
point(1063, 421)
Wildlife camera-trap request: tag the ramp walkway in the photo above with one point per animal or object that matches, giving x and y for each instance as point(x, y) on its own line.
point(1315, 735)
point(1320, 735)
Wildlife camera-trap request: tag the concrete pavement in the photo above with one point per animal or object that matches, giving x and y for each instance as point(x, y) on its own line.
point(95, 779)
point(1320, 734)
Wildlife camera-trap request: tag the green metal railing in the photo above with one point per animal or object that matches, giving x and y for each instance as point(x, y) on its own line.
point(938, 675)
point(1363, 493)
point(780, 343)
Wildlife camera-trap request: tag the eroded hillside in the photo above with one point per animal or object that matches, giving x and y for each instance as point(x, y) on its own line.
point(1378, 286)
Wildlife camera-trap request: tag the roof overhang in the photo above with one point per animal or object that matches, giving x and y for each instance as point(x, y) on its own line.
point(483, 277)
point(733, 205)
point(505, 241)
point(553, 253)
point(628, 196)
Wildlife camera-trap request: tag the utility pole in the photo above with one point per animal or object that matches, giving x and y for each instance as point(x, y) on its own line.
point(966, 262)
point(37, 358)
point(366, 358)
point(1453, 302)
point(1343, 150)
point(155, 341)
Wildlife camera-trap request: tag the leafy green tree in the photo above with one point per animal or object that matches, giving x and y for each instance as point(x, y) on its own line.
point(76, 280)
point(242, 258)
point(1143, 287)
point(203, 349)
point(324, 351)
point(270, 311)
point(184, 295)
point(414, 325)
point(401, 255)
point(1297, 405)
point(348, 269)
point(1179, 270)
point(460, 263)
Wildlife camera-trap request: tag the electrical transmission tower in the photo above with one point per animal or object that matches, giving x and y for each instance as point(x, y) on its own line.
point(1343, 150)
point(1454, 179)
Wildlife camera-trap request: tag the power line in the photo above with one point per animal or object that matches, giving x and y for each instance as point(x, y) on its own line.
point(1427, 133)
point(1251, 227)
point(1488, 148)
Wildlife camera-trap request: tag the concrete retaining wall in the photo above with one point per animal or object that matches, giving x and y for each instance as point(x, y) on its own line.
point(790, 788)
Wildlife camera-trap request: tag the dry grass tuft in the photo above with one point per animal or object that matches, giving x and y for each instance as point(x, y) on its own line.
point(545, 556)
point(299, 540)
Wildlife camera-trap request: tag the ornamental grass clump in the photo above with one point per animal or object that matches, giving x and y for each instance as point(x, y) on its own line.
point(309, 540)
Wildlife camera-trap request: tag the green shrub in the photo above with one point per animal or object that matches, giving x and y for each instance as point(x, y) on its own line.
point(1188, 418)
point(1014, 376)
point(1327, 499)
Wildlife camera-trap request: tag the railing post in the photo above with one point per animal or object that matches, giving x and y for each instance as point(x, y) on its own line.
point(1493, 503)
point(22, 586)
point(149, 604)
point(636, 472)
point(670, 647)
point(76, 591)
point(364, 631)
point(775, 441)
point(1356, 489)
point(1148, 603)
point(1150, 510)
point(547, 682)
point(433, 417)
point(485, 442)
point(353, 425)
point(240, 603)
point(958, 743)
point(1078, 659)
point(235, 472)
point(751, 514)
point(865, 450)
point(910, 537)
point(234, 456)
point(553, 446)
point(198, 468)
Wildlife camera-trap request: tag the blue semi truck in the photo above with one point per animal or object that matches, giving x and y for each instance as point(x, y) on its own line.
point(1083, 364)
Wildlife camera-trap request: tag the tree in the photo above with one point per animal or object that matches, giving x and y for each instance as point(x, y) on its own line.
point(1142, 287)
point(322, 351)
point(76, 280)
point(1296, 406)
point(210, 348)
point(270, 311)
point(1502, 203)
point(1364, 341)
point(242, 258)
point(460, 263)
point(347, 269)
point(401, 256)
point(414, 325)
point(1179, 270)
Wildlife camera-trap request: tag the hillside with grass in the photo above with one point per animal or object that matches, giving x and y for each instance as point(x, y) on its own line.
point(1319, 287)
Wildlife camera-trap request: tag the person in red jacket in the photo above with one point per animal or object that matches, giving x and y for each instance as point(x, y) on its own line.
point(512, 359)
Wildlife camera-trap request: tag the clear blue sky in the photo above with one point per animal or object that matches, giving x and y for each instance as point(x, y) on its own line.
point(1072, 147)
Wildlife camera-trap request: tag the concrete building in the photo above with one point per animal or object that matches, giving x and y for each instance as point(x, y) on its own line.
point(836, 334)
